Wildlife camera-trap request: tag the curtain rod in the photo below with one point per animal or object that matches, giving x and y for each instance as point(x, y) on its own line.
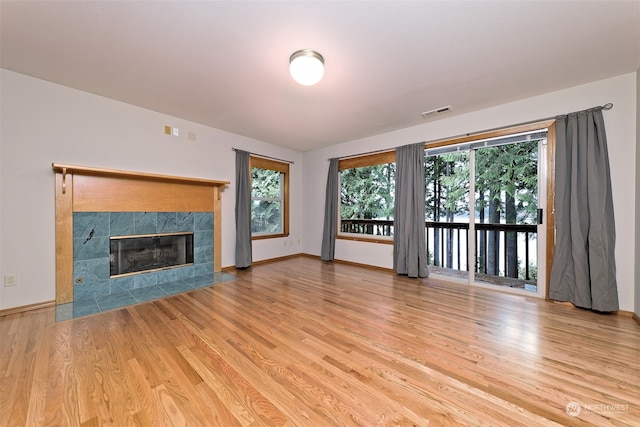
point(267, 157)
point(606, 106)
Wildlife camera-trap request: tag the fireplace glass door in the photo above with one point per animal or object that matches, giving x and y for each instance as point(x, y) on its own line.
point(135, 254)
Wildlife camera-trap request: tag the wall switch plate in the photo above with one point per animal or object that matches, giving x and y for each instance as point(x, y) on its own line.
point(10, 280)
point(175, 131)
point(167, 130)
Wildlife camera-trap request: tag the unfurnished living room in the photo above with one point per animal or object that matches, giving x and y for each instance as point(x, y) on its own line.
point(320, 213)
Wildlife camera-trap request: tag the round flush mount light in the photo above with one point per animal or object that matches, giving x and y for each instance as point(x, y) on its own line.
point(306, 67)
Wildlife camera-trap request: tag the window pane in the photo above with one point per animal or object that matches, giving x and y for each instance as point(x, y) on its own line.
point(265, 183)
point(447, 212)
point(266, 216)
point(506, 209)
point(366, 199)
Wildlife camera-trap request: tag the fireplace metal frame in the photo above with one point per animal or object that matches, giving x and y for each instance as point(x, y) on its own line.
point(149, 270)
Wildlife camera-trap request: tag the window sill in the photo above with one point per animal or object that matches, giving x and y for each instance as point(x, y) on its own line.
point(268, 236)
point(365, 238)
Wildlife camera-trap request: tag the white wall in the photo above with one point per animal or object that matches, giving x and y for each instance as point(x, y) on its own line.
point(637, 234)
point(2, 184)
point(621, 136)
point(42, 123)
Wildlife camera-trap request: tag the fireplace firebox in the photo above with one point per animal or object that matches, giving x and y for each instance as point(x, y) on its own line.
point(143, 253)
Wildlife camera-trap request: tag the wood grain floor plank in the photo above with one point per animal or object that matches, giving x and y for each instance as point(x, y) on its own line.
point(37, 395)
point(168, 404)
point(148, 412)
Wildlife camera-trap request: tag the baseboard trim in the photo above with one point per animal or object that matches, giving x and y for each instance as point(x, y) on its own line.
point(623, 313)
point(265, 261)
point(317, 257)
point(358, 264)
point(25, 308)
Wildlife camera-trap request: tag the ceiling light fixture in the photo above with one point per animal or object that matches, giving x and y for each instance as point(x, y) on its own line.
point(306, 67)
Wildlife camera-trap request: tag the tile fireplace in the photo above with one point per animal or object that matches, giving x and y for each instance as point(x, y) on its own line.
point(98, 208)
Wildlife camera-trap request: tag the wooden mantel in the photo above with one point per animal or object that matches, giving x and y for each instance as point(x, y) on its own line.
point(90, 189)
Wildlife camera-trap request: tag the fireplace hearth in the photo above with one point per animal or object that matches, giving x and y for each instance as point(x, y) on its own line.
point(144, 253)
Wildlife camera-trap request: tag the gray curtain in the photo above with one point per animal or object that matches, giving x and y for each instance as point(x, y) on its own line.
point(243, 210)
point(584, 270)
point(409, 245)
point(330, 213)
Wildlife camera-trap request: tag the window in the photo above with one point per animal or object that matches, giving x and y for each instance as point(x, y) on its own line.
point(486, 199)
point(269, 198)
point(367, 191)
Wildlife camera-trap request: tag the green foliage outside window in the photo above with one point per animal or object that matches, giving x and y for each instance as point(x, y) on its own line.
point(367, 192)
point(508, 175)
point(266, 201)
point(446, 186)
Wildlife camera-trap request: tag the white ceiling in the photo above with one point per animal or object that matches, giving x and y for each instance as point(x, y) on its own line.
point(225, 63)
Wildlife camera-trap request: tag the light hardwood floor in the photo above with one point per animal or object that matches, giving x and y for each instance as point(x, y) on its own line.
point(305, 343)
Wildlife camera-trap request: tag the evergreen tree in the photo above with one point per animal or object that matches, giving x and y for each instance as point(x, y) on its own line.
point(447, 195)
point(508, 175)
point(266, 206)
point(368, 193)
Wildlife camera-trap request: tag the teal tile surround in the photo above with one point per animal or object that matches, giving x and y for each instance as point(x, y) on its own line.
point(91, 233)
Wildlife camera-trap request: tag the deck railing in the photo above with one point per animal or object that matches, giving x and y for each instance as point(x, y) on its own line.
point(447, 243)
point(373, 227)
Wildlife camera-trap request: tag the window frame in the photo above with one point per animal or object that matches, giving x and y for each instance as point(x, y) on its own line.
point(374, 159)
point(282, 167)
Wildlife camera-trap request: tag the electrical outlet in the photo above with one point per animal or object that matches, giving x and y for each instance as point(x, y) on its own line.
point(175, 131)
point(10, 280)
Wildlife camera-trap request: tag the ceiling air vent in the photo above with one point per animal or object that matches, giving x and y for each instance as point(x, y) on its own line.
point(436, 111)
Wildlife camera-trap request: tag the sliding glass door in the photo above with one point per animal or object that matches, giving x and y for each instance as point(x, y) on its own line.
point(483, 211)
